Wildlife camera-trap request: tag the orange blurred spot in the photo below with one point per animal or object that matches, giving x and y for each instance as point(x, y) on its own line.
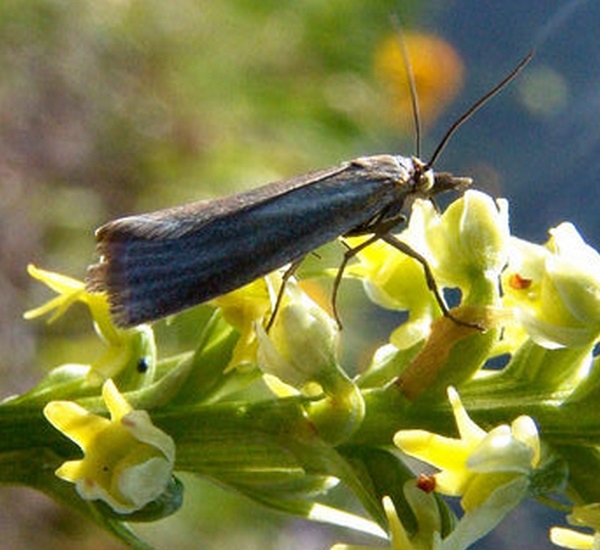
point(438, 72)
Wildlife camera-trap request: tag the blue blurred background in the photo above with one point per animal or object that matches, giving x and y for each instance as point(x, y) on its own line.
point(116, 106)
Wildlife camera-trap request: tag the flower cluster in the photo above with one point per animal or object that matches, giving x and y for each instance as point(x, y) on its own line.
point(261, 401)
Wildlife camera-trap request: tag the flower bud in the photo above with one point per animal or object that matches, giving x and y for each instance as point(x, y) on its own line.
point(469, 241)
point(301, 345)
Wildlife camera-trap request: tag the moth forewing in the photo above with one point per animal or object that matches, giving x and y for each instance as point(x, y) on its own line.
point(157, 264)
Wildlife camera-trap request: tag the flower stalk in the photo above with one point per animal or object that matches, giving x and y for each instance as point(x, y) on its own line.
point(270, 407)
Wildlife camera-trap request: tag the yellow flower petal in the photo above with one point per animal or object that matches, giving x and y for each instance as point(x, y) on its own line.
point(115, 402)
point(127, 461)
point(61, 284)
point(468, 430)
point(398, 535)
point(69, 290)
point(568, 538)
point(80, 425)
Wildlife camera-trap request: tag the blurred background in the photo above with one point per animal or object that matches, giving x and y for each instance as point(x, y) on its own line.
point(110, 107)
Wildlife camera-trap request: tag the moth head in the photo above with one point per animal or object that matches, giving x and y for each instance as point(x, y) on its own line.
point(423, 177)
point(428, 183)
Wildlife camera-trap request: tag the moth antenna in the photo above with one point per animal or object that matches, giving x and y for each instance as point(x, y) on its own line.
point(410, 77)
point(477, 105)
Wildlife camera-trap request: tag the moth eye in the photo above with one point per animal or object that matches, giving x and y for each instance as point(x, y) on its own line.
point(425, 181)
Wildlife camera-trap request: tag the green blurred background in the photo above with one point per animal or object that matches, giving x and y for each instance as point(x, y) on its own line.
point(116, 106)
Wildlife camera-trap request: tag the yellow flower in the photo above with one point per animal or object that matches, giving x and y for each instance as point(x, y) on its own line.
point(395, 281)
point(249, 309)
point(298, 355)
point(555, 289)
point(585, 516)
point(468, 243)
point(69, 291)
point(466, 247)
point(126, 347)
point(300, 347)
point(428, 519)
point(489, 470)
point(477, 463)
point(243, 308)
point(127, 462)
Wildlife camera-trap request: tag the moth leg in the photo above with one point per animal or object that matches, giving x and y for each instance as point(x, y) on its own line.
point(284, 280)
point(429, 278)
point(383, 222)
point(348, 255)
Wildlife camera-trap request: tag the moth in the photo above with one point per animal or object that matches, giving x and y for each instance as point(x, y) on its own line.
point(156, 264)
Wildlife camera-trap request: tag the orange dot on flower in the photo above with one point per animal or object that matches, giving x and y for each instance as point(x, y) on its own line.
point(519, 283)
point(426, 483)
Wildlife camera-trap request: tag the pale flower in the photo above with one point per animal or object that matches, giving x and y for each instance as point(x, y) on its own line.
point(127, 463)
point(488, 470)
point(554, 289)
